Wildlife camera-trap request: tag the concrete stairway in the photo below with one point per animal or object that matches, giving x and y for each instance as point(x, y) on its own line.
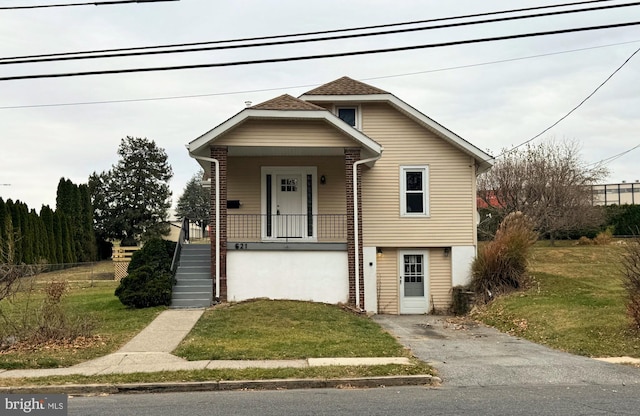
point(194, 287)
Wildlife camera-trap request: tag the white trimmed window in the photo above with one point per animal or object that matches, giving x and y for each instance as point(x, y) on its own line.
point(349, 115)
point(414, 191)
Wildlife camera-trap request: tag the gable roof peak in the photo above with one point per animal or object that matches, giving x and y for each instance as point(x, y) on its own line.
point(286, 102)
point(345, 86)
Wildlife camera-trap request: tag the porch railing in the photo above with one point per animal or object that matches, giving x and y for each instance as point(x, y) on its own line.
point(184, 236)
point(289, 227)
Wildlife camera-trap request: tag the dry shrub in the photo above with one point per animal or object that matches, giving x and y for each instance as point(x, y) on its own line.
point(501, 265)
point(44, 322)
point(604, 237)
point(585, 241)
point(631, 280)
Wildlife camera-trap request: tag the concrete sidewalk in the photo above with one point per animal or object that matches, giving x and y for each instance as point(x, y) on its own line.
point(150, 352)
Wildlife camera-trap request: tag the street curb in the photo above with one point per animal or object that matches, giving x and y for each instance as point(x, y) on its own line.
point(275, 384)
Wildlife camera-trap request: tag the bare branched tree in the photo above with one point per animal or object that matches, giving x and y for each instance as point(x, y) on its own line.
point(549, 183)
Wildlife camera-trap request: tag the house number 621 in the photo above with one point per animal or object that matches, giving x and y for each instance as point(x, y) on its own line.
point(241, 246)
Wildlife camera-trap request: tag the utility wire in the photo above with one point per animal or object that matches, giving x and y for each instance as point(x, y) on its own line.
point(95, 3)
point(574, 108)
point(176, 97)
point(610, 159)
point(320, 39)
point(313, 57)
point(324, 32)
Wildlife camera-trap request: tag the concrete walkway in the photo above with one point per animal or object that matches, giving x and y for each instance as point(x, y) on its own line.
point(150, 352)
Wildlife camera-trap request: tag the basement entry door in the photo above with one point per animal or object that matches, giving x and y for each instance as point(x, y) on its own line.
point(414, 286)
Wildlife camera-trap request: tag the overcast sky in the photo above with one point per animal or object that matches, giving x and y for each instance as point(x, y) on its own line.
point(494, 106)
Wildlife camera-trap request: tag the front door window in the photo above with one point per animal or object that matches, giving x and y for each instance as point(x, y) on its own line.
point(413, 275)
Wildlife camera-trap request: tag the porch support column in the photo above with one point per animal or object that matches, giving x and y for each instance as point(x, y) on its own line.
point(219, 153)
point(352, 155)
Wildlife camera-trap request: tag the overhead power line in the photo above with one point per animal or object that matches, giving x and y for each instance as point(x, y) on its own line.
point(313, 57)
point(574, 108)
point(95, 3)
point(320, 39)
point(290, 87)
point(610, 159)
point(301, 34)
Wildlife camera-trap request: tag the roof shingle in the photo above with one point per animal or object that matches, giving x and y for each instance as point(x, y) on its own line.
point(286, 102)
point(345, 86)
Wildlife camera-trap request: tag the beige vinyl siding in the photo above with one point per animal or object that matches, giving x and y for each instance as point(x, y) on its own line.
point(439, 280)
point(387, 270)
point(244, 181)
point(451, 188)
point(284, 133)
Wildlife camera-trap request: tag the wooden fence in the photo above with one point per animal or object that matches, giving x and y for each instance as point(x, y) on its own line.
point(121, 259)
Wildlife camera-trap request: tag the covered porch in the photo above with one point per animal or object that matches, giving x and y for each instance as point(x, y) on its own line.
point(285, 222)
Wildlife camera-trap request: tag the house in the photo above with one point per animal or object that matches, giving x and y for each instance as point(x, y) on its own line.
point(345, 194)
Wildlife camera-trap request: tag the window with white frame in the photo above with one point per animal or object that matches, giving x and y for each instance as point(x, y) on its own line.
point(349, 115)
point(414, 191)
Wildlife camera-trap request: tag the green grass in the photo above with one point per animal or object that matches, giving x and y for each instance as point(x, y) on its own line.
point(264, 329)
point(329, 372)
point(576, 303)
point(114, 324)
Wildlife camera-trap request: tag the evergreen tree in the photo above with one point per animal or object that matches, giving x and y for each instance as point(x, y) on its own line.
point(46, 214)
point(195, 202)
point(57, 235)
point(131, 201)
point(74, 202)
point(7, 243)
point(18, 220)
point(68, 252)
point(6, 232)
point(88, 235)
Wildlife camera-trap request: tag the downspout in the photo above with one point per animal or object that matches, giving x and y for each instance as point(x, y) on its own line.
point(356, 225)
point(217, 182)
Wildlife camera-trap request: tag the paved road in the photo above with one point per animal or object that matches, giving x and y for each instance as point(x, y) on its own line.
point(476, 355)
point(494, 400)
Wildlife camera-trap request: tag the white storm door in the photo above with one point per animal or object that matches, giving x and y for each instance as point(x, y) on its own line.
point(414, 285)
point(290, 210)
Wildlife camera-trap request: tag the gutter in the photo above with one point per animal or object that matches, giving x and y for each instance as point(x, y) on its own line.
point(356, 224)
point(217, 182)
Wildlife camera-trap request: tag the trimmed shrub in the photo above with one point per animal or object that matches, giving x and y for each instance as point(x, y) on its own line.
point(156, 253)
point(631, 280)
point(149, 281)
point(501, 264)
point(145, 287)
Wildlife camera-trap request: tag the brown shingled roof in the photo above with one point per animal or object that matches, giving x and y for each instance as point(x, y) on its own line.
point(345, 86)
point(286, 102)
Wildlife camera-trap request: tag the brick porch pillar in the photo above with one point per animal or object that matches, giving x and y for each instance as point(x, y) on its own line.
point(352, 155)
point(219, 153)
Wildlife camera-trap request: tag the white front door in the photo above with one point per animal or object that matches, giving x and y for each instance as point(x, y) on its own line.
point(289, 202)
point(290, 218)
point(413, 279)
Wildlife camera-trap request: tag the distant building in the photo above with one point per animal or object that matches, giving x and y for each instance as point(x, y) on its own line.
point(616, 193)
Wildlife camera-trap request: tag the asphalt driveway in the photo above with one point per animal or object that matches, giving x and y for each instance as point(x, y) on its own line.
point(469, 354)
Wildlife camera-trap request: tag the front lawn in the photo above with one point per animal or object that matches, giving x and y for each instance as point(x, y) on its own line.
point(114, 325)
point(576, 303)
point(265, 329)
